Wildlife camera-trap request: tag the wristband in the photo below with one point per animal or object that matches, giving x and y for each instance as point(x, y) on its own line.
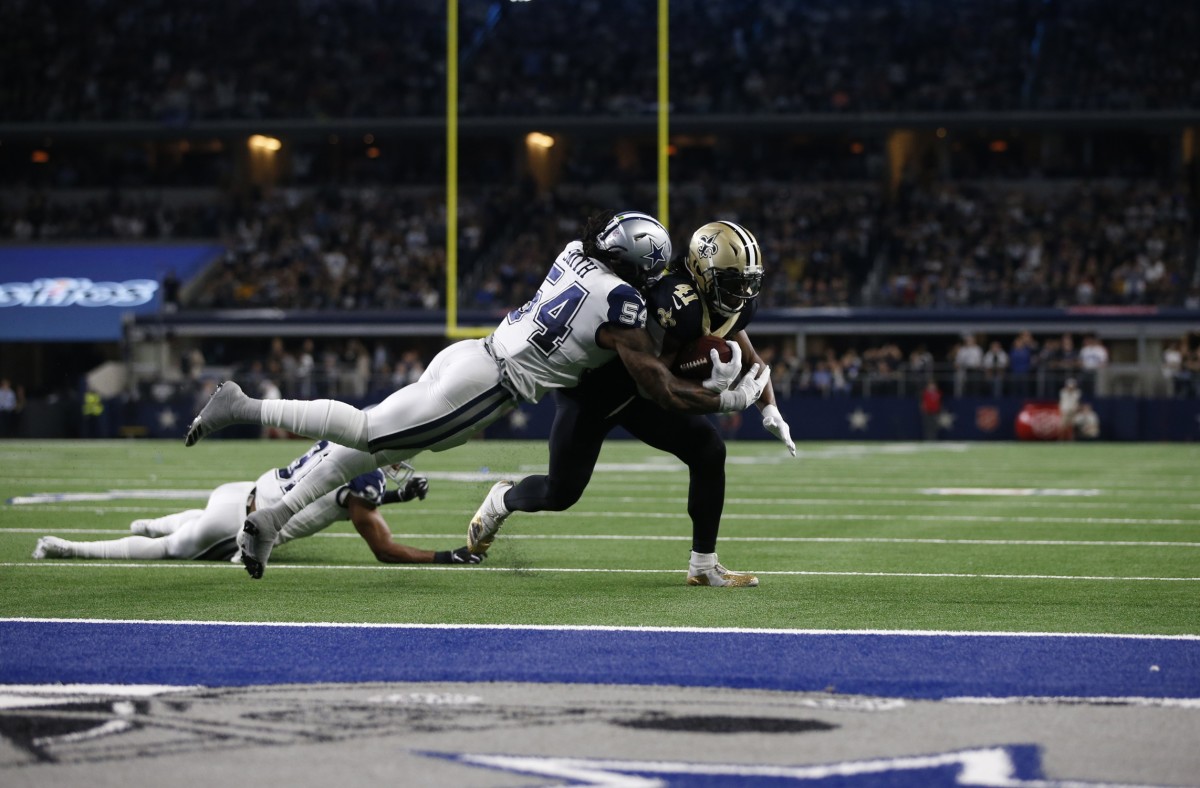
point(733, 400)
point(442, 557)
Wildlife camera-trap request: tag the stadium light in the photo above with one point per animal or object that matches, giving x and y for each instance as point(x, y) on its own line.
point(537, 139)
point(264, 143)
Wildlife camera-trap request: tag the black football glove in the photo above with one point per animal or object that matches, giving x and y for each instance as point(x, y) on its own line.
point(416, 487)
point(462, 557)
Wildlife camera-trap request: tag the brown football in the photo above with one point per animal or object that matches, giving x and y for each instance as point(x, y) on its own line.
point(693, 362)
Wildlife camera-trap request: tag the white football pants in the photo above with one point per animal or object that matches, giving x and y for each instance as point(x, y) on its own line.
point(207, 533)
point(459, 394)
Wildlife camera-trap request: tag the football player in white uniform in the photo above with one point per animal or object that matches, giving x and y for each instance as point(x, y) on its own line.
point(714, 292)
point(210, 534)
point(588, 311)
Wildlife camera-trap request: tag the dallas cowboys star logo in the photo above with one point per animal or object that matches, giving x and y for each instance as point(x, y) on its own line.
point(656, 255)
point(859, 419)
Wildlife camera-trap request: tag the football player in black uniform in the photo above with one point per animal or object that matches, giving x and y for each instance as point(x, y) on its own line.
point(713, 292)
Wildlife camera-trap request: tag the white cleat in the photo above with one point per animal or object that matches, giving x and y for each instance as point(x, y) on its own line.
point(720, 576)
point(255, 542)
point(488, 519)
point(51, 547)
point(216, 414)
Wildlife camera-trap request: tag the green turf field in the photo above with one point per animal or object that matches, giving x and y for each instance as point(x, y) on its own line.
point(848, 536)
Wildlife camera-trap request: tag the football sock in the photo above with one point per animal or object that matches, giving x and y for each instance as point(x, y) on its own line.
point(136, 547)
point(701, 562)
point(320, 419)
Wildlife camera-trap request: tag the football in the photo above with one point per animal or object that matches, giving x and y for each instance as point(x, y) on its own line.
point(693, 362)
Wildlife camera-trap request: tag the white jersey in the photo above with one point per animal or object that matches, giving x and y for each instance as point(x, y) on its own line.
point(326, 510)
point(551, 341)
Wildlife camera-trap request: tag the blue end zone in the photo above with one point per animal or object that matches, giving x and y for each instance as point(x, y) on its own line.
point(892, 665)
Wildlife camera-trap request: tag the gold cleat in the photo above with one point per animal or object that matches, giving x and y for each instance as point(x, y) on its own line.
point(720, 576)
point(488, 519)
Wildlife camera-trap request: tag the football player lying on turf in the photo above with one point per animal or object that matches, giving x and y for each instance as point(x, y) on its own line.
point(588, 311)
point(712, 294)
point(211, 533)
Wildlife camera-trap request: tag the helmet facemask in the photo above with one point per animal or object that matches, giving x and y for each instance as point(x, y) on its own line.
point(399, 473)
point(726, 264)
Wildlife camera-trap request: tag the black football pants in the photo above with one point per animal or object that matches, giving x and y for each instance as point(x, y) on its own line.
point(575, 441)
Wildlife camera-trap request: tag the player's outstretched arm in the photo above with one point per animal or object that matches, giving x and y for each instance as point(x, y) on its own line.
point(637, 352)
point(772, 420)
point(371, 526)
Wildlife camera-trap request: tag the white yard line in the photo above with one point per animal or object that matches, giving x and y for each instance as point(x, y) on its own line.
point(790, 517)
point(608, 628)
point(224, 565)
point(669, 538)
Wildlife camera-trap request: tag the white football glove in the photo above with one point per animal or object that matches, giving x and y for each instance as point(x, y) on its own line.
point(724, 373)
point(748, 390)
point(773, 423)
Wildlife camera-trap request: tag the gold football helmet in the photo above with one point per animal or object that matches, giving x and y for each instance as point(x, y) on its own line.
point(726, 264)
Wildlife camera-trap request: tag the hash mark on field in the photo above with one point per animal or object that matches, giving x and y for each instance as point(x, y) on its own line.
point(527, 571)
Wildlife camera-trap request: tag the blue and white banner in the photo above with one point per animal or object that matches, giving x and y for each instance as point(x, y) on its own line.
point(81, 293)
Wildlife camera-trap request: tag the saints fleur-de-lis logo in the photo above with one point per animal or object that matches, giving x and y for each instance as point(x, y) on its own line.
point(707, 249)
point(665, 318)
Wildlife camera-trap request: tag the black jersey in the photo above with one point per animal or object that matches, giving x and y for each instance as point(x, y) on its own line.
point(677, 311)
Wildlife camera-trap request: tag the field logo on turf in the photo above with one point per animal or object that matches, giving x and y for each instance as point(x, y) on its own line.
point(1012, 766)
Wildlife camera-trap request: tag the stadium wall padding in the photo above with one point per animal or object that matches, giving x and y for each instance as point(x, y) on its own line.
point(811, 419)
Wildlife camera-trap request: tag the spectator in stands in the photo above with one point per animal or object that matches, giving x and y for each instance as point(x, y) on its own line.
point(1093, 357)
point(995, 365)
point(1021, 364)
point(931, 410)
point(1068, 408)
point(1173, 370)
point(1087, 422)
point(10, 408)
point(968, 360)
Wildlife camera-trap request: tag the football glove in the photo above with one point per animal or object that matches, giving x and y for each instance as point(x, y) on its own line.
point(724, 373)
point(416, 487)
point(748, 389)
point(460, 557)
point(773, 423)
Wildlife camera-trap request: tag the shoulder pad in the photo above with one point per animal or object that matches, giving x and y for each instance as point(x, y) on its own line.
point(626, 307)
point(676, 306)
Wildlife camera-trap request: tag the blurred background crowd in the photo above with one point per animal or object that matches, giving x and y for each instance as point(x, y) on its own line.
point(921, 155)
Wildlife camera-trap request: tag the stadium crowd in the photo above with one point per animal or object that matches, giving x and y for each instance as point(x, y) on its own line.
point(940, 246)
point(178, 62)
point(1003, 365)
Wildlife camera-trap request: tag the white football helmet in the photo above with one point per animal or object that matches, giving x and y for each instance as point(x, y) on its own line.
point(726, 263)
point(636, 246)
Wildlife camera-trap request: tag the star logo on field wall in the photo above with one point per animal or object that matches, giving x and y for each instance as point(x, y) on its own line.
point(859, 419)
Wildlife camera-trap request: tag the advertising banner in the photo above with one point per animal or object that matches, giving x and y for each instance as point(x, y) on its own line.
point(82, 293)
